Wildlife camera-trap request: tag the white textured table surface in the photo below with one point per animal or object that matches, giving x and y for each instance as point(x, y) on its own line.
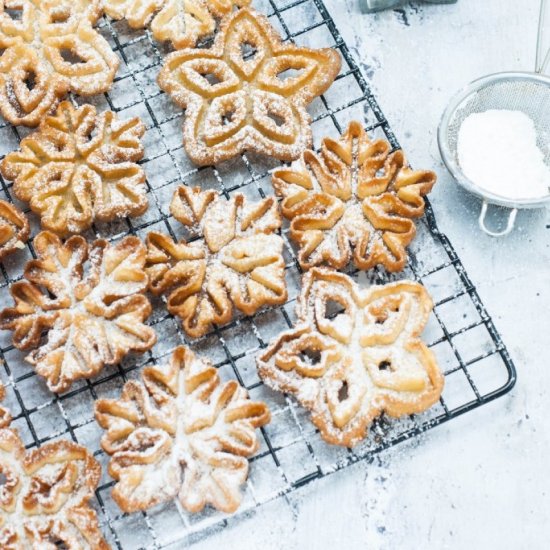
point(480, 481)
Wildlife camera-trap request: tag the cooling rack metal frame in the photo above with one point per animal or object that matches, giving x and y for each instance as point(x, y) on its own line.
point(476, 363)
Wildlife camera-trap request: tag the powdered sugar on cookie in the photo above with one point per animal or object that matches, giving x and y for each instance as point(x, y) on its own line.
point(182, 22)
point(80, 167)
point(239, 95)
point(14, 228)
point(349, 366)
point(44, 498)
point(36, 72)
point(355, 201)
point(90, 320)
point(237, 261)
point(182, 434)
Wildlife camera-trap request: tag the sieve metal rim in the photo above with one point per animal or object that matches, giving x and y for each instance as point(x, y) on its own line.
point(448, 156)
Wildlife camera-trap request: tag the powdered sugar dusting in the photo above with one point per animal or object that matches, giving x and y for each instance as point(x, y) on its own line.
point(237, 260)
point(80, 167)
point(246, 105)
point(43, 491)
point(351, 200)
point(91, 320)
point(196, 437)
point(349, 368)
point(37, 74)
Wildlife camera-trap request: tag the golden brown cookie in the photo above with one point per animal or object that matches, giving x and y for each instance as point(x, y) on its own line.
point(354, 201)
point(182, 22)
point(45, 495)
point(180, 433)
point(354, 354)
point(5, 416)
point(248, 92)
point(50, 48)
point(89, 319)
point(80, 167)
point(237, 260)
point(14, 228)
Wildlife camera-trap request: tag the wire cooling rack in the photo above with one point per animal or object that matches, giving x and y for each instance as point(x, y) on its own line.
point(461, 333)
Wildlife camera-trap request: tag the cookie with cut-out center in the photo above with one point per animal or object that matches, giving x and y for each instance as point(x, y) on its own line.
point(236, 261)
point(80, 307)
point(354, 354)
point(180, 433)
point(181, 22)
point(248, 92)
point(14, 229)
point(45, 494)
point(80, 167)
point(355, 201)
point(50, 48)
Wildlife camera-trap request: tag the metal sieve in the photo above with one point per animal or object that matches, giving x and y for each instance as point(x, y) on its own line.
point(519, 91)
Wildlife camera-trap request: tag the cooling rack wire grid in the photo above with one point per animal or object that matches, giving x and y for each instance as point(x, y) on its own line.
point(470, 351)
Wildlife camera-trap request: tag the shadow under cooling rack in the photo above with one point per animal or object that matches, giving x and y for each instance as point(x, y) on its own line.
point(469, 349)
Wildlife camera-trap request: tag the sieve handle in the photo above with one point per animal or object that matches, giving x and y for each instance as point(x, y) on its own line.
point(511, 220)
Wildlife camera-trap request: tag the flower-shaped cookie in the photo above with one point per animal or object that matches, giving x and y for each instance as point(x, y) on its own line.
point(180, 433)
point(89, 319)
point(182, 22)
point(49, 47)
point(45, 494)
point(79, 167)
point(354, 200)
point(248, 91)
point(14, 228)
point(237, 261)
point(354, 354)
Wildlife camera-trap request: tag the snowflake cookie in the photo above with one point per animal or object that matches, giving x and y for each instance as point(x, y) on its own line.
point(77, 322)
point(14, 228)
point(349, 365)
point(80, 167)
point(354, 201)
point(248, 92)
point(50, 48)
point(237, 261)
point(180, 433)
point(45, 495)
